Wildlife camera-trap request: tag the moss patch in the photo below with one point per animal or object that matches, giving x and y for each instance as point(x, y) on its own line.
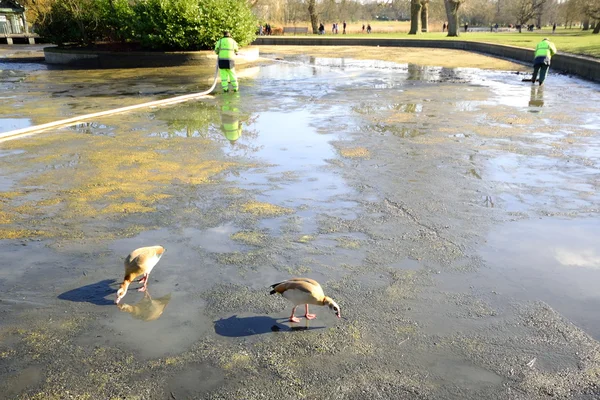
point(264, 209)
point(83, 178)
point(254, 238)
point(355, 152)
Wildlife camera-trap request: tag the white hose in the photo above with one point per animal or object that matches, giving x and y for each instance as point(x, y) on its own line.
point(75, 120)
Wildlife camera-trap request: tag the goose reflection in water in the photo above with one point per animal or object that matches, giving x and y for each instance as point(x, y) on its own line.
point(147, 309)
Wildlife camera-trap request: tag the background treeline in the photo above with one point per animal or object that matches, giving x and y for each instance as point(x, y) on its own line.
point(197, 24)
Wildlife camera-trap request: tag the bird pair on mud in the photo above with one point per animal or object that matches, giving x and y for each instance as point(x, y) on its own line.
point(297, 290)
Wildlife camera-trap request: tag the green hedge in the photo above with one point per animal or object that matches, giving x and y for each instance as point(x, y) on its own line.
point(156, 24)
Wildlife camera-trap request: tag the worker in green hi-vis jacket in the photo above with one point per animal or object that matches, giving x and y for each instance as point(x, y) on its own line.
point(225, 48)
point(541, 61)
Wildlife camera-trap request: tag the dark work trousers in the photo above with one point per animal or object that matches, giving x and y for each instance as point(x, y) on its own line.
point(542, 68)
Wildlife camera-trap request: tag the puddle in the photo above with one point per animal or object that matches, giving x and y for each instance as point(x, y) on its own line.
point(10, 124)
point(530, 181)
point(553, 260)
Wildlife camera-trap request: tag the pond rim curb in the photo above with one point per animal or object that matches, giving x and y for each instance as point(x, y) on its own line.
point(108, 59)
point(584, 67)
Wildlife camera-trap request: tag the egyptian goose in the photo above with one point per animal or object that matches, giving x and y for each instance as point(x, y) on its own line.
point(139, 262)
point(304, 291)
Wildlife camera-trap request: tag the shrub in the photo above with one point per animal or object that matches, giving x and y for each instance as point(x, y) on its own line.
point(116, 20)
point(191, 24)
point(156, 24)
point(71, 21)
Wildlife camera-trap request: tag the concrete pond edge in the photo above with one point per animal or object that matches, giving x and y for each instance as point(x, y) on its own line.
point(90, 58)
point(584, 67)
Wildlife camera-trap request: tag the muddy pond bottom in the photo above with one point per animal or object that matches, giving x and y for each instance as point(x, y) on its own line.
point(450, 212)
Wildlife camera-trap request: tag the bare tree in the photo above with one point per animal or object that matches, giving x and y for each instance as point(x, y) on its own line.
point(525, 10)
point(36, 9)
point(452, 7)
point(424, 15)
point(415, 16)
point(314, 18)
point(591, 11)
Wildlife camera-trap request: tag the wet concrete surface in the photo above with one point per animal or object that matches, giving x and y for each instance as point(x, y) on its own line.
point(451, 212)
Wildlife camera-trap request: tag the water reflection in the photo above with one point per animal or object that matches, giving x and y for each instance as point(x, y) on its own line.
point(588, 258)
point(553, 260)
point(8, 124)
point(536, 98)
point(416, 72)
point(230, 118)
point(147, 309)
point(189, 119)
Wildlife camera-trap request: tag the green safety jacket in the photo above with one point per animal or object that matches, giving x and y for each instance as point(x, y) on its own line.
point(545, 49)
point(232, 130)
point(226, 47)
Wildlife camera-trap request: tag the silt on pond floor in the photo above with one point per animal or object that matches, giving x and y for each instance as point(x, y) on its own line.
point(449, 211)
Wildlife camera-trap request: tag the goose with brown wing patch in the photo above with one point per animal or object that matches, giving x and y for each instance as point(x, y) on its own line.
point(304, 291)
point(139, 262)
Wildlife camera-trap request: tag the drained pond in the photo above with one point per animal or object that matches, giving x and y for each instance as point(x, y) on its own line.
point(449, 208)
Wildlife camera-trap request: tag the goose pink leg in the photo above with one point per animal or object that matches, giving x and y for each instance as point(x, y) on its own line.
point(144, 280)
point(292, 317)
point(307, 315)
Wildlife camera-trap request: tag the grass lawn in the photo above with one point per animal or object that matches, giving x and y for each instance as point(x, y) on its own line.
point(574, 41)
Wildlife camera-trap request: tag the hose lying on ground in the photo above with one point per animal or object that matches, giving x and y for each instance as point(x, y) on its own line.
point(75, 120)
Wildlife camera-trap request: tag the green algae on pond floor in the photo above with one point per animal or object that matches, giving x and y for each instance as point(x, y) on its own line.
point(100, 177)
point(355, 172)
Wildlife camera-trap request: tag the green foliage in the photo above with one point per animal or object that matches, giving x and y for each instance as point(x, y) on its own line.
point(168, 24)
point(71, 21)
point(115, 20)
point(156, 24)
point(232, 15)
point(192, 24)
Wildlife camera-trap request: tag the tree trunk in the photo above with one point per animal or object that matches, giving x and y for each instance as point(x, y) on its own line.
point(452, 15)
point(424, 15)
point(312, 11)
point(415, 16)
point(586, 24)
point(597, 28)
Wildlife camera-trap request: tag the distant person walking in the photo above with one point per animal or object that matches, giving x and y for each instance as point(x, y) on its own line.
point(363, 30)
point(444, 27)
point(344, 26)
point(225, 48)
point(553, 28)
point(541, 61)
point(368, 28)
point(466, 26)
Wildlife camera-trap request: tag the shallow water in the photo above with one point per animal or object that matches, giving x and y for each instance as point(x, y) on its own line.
point(436, 205)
